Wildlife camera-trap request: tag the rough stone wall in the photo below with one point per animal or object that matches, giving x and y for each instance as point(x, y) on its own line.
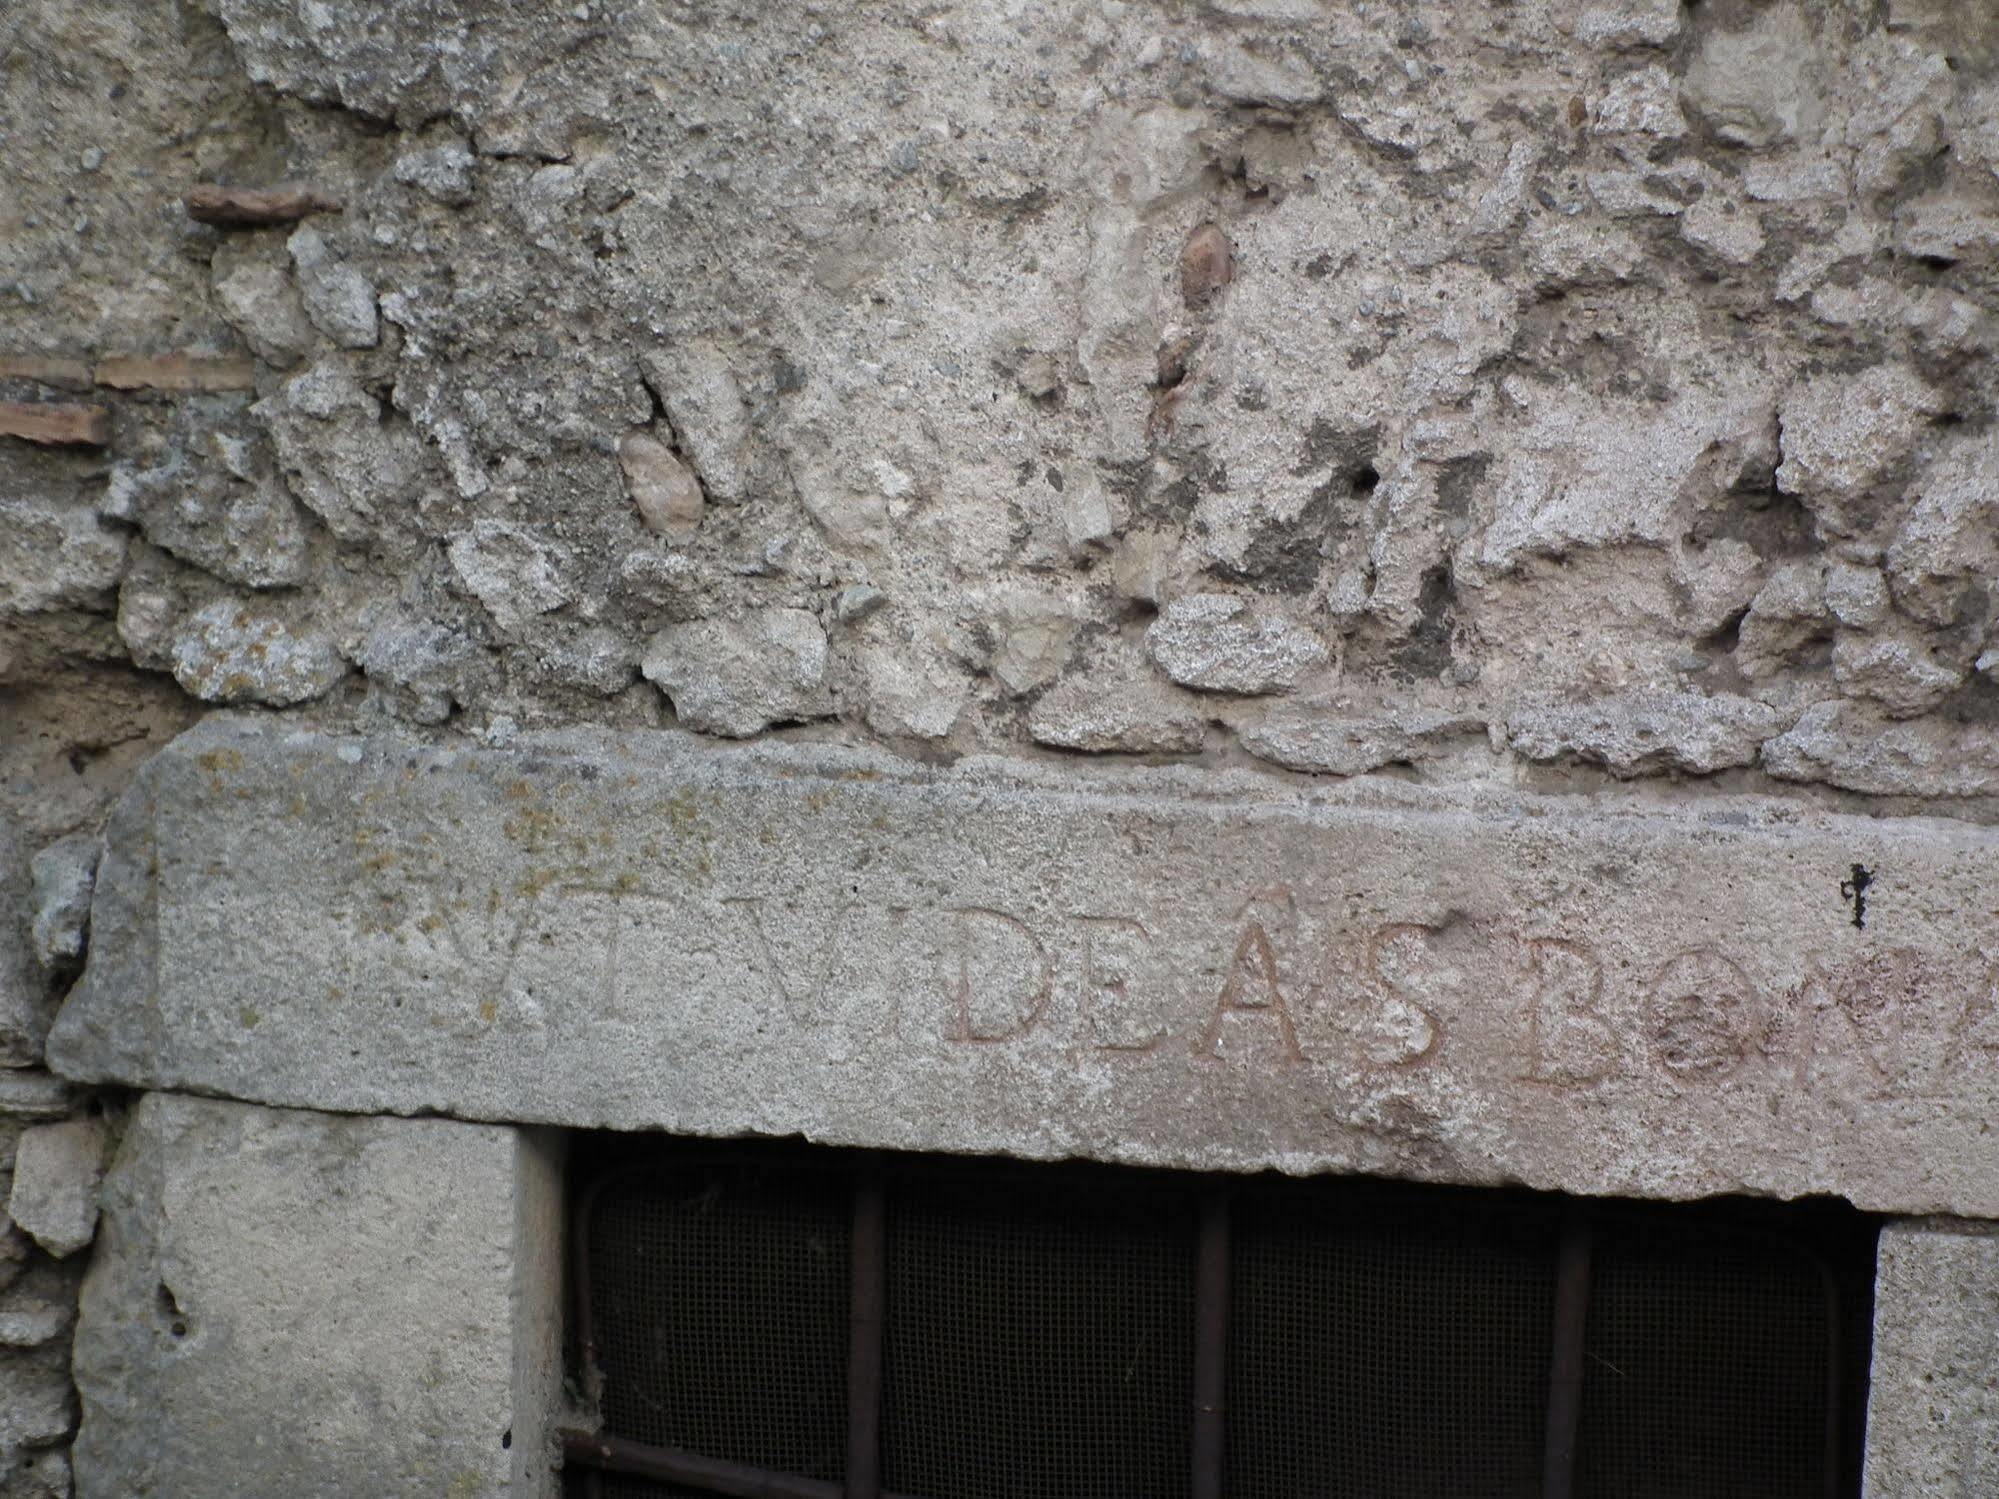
point(1560, 392)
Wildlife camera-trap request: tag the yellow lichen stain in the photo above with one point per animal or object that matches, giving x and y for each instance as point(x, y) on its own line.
point(489, 1010)
point(682, 811)
point(532, 826)
point(218, 762)
point(247, 1017)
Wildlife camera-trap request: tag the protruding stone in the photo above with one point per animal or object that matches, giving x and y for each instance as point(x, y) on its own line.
point(856, 602)
point(1841, 431)
point(1642, 103)
point(37, 1410)
point(1857, 596)
point(56, 1171)
point(1629, 23)
point(1729, 231)
point(26, 1094)
point(261, 300)
point(509, 571)
point(63, 874)
point(31, 1320)
point(1221, 643)
point(1646, 733)
point(1753, 86)
point(1946, 554)
point(738, 675)
point(1846, 745)
point(443, 172)
point(338, 298)
point(667, 494)
point(1025, 637)
point(231, 652)
point(1323, 740)
point(704, 402)
point(1125, 711)
point(209, 492)
point(1899, 669)
point(911, 691)
point(1787, 615)
point(1040, 377)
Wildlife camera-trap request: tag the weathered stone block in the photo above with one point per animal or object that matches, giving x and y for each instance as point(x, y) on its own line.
point(1933, 1403)
point(1159, 966)
point(297, 1304)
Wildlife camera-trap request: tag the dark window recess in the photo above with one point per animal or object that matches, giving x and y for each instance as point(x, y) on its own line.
point(778, 1322)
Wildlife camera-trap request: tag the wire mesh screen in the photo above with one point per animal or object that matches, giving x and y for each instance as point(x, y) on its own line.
point(1039, 1329)
point(1381, 1348)
point(1039, 1337)
point(1707, 1366)
point(719, 1314)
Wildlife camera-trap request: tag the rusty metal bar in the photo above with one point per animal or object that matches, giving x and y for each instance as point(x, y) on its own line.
point(1211, 1338)
point(868, 1253)
point(1835, 1386)
point(1565, 1376)
point(671, 1465)
point(712, 1475)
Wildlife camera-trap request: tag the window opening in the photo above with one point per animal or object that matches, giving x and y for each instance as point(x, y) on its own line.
point(774, 1320)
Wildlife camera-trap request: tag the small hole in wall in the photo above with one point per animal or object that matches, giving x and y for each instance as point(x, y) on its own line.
point(507, 1439)
point(1365, 480)
point(180, 1329)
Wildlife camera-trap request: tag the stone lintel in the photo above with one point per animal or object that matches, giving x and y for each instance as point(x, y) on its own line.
point(1169, 967)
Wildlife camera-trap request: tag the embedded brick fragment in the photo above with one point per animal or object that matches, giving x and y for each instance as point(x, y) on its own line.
point(43, 369)
point(176, 372)
point(55, 424)
point(256, 207)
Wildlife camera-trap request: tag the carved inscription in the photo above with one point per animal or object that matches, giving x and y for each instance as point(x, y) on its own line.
point(1267, 985)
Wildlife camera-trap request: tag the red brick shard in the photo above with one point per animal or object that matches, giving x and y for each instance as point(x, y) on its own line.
point(56, 425)
point(1207, 264)
point(178, 372)
point(46, 369)
point(256, 207)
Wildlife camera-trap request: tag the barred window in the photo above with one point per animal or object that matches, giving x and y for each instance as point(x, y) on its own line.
point(774, 1320)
